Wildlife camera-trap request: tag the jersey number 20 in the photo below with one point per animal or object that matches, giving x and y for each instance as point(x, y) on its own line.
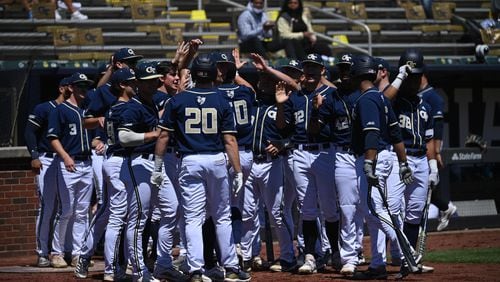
point(201, 120)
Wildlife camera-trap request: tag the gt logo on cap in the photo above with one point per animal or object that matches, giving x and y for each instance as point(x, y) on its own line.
point(293, 63)
point(312, 56)
point(412, 64)
point(82, 76)
point(130, 51)
point(346, 58)
point(150, 70)
point(224, 56)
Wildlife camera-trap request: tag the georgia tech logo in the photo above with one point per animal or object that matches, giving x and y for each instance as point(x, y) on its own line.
point(130, 51)
point(312, 56)
point(200, 100)
point(293, 63)
point(150, 69)
point(412, 64)
point(82, 76)
point(346, 58)
point(224, 56)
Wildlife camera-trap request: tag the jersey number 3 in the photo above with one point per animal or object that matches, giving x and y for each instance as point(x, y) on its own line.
point(200, 120)
point(72, 129)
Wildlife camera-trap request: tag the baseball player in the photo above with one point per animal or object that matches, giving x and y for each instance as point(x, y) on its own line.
point(313, 159)
point(204, 124)
point(71, 142)
point(42, 156)
point(137, 133)
point(102, 99)
point(375, 128)
point(113, 211)
point(432, 97)
point(336, 111)
point(416, 123)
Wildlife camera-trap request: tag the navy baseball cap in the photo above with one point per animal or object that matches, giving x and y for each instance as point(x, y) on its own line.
point(382, 64)
point(291, 64)
point(102, 68)
point(218, 57)
point(313, 59)
point(122, 75)
point(147, 70)
point(125, 54)
point(64, 82)
point(345, 58)
point(79, 78)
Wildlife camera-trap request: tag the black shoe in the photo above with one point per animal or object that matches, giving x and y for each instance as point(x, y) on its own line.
point(236, 275)
point(196, 277)
point(82, 267)
point(403, 272)
point(247, 265)
point(371, 274)
point(216, 274)
point(171, 274)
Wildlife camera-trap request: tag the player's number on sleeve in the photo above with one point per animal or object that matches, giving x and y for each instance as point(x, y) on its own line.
point(241, 111)
point(299, 117)
point(201, 120)
point(72, 129)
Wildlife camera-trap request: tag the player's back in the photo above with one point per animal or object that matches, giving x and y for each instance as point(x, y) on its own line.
point(199, 117)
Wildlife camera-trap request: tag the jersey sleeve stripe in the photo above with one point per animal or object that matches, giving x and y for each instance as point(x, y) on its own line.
point(229, 131)
point(52, 135)
point(165, 128)
point(371, 128)
point(33, 122)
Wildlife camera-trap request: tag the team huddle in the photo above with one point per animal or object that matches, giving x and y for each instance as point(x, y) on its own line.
point(199, 151)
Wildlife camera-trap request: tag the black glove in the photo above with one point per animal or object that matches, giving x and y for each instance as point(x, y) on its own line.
point(369, 169)
point(474, 140)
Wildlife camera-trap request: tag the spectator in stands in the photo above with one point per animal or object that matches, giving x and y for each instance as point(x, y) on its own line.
point(72, 8)
point(255, 30)
point(296, 32)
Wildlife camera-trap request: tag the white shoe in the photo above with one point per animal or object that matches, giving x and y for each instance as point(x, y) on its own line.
point(427, 269)
point(57, 15)
point(309, 266)
point(348, 269)
point(444, 220)
point(57, 261)
point(76, 15)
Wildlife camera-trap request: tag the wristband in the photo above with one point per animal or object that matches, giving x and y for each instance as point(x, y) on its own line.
point(397, 82)
point(433, 165)
point(158, 163)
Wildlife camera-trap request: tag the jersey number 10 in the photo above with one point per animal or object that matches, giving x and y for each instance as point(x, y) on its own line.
point(200, 120)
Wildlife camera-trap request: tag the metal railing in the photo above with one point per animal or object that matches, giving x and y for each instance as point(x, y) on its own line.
point(351, 21)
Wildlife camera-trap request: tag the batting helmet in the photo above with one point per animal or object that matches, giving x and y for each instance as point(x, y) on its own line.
point(204, 68)
point(414, 59)
point(364, 65)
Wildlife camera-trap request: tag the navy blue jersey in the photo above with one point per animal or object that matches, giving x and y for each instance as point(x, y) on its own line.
point(159, 99)
point(298, 110)
point(139, 118)
point(372, 112)
point(101, 99)
point(342, 132)
point(435, 101)
point(66, 124)
point(199, 117)
point(415, 122)
point(242, 99)
point(112, 122)
point(40, 119)
point(336, 112)
point(264, 127)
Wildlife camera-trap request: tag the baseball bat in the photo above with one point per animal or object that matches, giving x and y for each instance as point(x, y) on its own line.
point(422, 230)
point(269, 238)
point(404, 244)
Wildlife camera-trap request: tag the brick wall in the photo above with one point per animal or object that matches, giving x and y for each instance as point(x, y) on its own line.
point(18, 203)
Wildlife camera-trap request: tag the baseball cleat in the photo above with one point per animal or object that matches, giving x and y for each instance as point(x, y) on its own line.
point(82, 267)
point(348, 270)
point(371, 274)
point(170, 274)
point(57, 261)
point(309, 266)
point(284, 266)
point(43, 261)
point(236, 275)
point(444, 220)
point(216, 274)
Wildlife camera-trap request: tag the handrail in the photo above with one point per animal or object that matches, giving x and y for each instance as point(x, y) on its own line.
point(355, 22)
point(234, 4)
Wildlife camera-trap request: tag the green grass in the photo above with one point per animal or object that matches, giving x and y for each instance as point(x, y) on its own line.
point(490, 255)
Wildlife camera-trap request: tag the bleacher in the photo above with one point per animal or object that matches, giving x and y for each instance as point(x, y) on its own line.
point(152, 28)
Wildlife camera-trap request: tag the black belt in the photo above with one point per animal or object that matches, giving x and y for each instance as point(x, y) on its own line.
point(418, 153)
point(264, 158)
point(312, 147)
point(118, 154)
point(81, 157)
point(48, 154)
point(245, 147)
point(345, 149)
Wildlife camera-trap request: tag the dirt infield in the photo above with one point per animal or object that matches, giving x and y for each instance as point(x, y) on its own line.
point(436, 241)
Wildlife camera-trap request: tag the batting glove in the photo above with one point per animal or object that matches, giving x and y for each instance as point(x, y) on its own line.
point(405, 173)
point(156, 178)
point(434, 175)
point(237, 183)
point(369, 169)
point(404, 70)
